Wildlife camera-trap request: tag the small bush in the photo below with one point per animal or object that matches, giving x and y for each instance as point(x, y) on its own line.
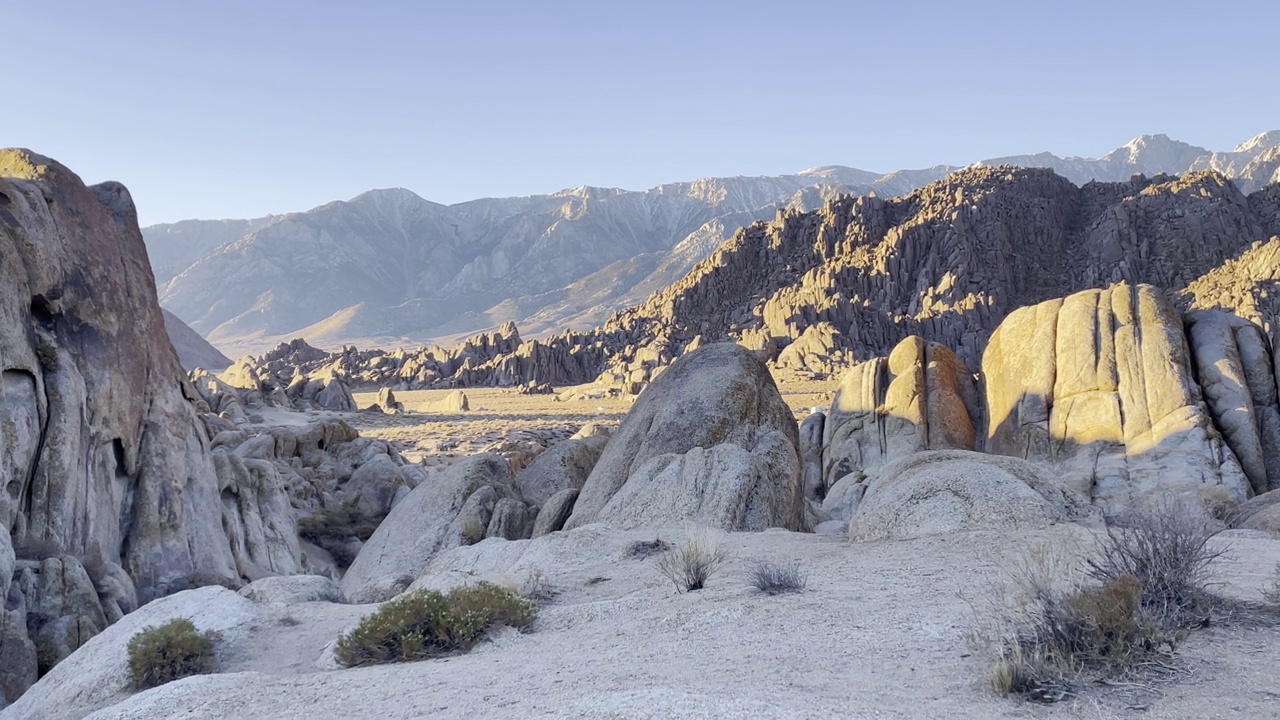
point(427, 623)
point(158, 655)
point(1271, 595)
point(777, 578)
point(1137, 595)
point(538, 587)
point(690, 565)
point(1166, 549)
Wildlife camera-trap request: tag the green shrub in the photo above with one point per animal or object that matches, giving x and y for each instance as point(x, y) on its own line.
point(428, 623)
point(158, 655)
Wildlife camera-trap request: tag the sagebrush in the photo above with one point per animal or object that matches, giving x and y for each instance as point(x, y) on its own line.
point(690, 565)
point(427, 623)
point(774, 578)
point(1128, 604)
point(167, 652)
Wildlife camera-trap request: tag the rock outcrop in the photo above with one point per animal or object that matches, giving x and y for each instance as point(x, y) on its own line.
point(193, 350)
point(455, 508)
point(711, 441)
point(1100, 386)
point(932, 493)
point(566, 465)
point(388, 265)
point(814, 291)
point(921, 397)
point(112, 494)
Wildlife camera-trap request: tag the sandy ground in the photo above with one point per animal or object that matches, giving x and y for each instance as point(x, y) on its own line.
point(882, 631)
point(499, 415)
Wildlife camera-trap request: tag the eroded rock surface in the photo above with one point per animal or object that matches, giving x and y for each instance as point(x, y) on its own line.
point(1100, 386)
point(710, 440)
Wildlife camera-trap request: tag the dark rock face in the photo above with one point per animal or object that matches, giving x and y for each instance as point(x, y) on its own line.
point(102, 456)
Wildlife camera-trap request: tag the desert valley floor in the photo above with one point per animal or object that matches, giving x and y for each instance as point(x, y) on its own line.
point(883, 629)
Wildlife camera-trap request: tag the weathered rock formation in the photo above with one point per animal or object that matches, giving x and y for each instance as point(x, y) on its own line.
point(815, 291)
point(921, 397)
point(103, 460)
point(455, 508)
point(1115, 394)
point(938, 492)
point(1101, 386)
point(193, 350)
point(710, 440)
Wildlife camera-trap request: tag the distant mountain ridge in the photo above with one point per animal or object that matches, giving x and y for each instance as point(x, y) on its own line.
point(388, 267)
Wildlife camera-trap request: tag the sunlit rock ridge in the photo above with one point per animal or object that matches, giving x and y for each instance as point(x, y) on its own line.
point(388, 267)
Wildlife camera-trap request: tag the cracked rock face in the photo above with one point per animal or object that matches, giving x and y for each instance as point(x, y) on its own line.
point(711, 441)
point(1100, 385)
point(103, 460)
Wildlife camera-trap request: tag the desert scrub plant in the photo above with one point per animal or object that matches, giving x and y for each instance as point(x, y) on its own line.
point(1166, 549)
point(1132, 600)
point(1271, 594)
point(427, 623)
point(538, 587)
point(777, 578)
point(337, 530)
point(690, 565)
point(165, 653)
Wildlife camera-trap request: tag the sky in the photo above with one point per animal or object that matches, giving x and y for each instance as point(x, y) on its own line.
point(241, 109)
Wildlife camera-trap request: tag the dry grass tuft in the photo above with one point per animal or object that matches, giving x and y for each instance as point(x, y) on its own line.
point(1271, 595)
point(538, 587)
point(689, 566)
point(777, 578)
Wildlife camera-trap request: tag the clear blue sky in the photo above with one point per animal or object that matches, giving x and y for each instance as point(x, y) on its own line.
point(238, 109)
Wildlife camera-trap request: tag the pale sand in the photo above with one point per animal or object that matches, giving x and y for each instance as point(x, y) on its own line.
point(879, 633)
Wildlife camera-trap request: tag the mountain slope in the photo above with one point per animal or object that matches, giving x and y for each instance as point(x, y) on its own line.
point(389, 268)
point(193, 350)
point(850, 280)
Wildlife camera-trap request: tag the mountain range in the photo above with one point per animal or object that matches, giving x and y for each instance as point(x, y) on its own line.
point(390, 268)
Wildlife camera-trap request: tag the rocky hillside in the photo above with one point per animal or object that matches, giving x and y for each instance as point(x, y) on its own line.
point(389, 268)
point(814, 291)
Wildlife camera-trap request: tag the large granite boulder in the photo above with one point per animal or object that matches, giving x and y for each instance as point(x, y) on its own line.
point(938, 492)
point(1100, 387)
point(452, 509)
point(565, 466)
point(102, 454)
point(710, 440)
point(921, 397)
point(1234, 365)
